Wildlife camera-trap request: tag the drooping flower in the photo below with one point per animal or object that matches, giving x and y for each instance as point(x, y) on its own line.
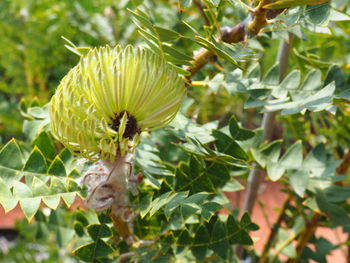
point(112, 95)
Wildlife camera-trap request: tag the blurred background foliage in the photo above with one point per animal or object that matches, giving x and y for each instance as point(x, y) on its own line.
point(313, 102)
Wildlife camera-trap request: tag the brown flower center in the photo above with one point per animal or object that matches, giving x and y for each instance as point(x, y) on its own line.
point(131, 127)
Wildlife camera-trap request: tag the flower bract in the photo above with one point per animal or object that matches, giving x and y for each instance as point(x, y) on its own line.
point(112, 95)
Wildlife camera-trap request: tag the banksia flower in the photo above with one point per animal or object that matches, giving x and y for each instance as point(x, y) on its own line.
point(113, 94)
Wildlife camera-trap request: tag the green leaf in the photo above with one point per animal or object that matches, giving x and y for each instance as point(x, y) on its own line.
point(232, 186)
point(212, 46)
point(336, 193)
point(268, 154)
point(167, 34)
point(183, 241)
point(44, 142)
point(142, 18)
point(237, 133)
point(7, 200)
point(36, 162)
point(283, 237)
point(200, 245)
point(228, 146)
point(272, 77)
point(188, 210)
point(234, 127)
point(97, 231)
point(104, 218)
point(312, 80)
point(238, 234)
point(145, 205)
point(339, 216)
point(318, 14)
point(335, 74)
point(219, 243)
point(81, 217)
point(275, 171)
point(11, 156)
point(79, 228)
point(91, 251)
point(28, 203)
point(293, 157)
point(287, 3)
point(159, 202)
point(174, 202)
point(246, 223)
point(209, 209)
point(299, 180)
point(57, 167)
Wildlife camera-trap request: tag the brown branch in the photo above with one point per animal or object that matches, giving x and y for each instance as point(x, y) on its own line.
point(122, 228)
point(305, 236)
point(249, 27)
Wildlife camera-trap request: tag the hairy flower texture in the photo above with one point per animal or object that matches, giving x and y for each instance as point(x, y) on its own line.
point(113, 94)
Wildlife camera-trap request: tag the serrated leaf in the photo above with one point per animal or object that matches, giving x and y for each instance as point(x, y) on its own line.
point(57, 167)
point(97, 231)
point(11, 156)
point(68, 198)
point(30, 206)
point(7, 200)
point(36, 162)
point(52, 201)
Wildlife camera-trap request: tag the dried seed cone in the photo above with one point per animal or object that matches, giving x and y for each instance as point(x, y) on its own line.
point(103, 103)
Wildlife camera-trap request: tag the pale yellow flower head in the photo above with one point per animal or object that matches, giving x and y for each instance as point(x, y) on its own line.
point(113, 94)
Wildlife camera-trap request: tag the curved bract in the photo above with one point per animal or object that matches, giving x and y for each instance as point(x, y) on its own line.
point(113, 94)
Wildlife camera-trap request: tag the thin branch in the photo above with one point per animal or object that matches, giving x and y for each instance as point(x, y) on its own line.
point(308, 232)
point(274, 230)
point(249, 27)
